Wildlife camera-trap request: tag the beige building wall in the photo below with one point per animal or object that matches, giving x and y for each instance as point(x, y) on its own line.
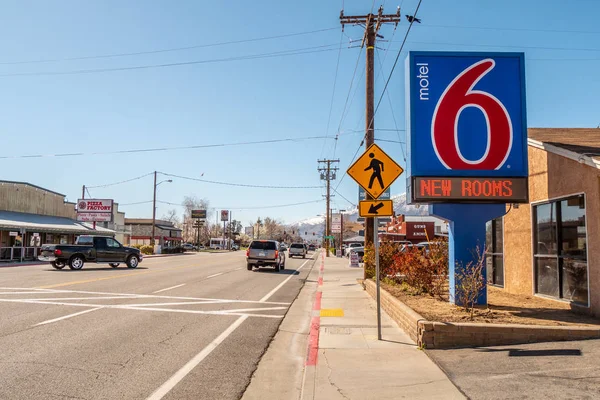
point(18, 197)
point(552, 176)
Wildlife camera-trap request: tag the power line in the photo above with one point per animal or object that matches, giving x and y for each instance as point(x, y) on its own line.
point(506, 46)
point(343, 197)
point(136, 203)
point(202, 146)
point(349, 92)
point(239, 184)
point(510, 29)
point(306, 50)
point(199, 46)
point(393, 116)
point(118, 183)
point(245, 208)
point(337, 65)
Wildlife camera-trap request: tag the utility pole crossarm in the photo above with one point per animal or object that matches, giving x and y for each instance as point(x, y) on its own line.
point(327, 174)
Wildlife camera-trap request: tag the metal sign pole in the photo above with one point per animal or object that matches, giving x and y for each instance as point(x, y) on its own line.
point(376, 240)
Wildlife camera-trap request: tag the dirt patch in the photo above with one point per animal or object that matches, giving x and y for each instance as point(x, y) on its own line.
point(503, 308)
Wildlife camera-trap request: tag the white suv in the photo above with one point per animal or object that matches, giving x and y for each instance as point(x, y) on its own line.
point(297, 249)
point(350, 246)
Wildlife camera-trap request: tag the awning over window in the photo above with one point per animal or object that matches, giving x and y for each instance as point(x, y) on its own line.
point(16, 221)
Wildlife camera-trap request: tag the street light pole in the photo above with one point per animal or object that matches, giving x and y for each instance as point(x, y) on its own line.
point(152, 241)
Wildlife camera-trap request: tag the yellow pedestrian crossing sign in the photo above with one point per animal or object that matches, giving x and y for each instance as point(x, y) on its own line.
point(375, 171)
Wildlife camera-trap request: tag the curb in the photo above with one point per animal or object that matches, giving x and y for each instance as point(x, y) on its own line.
point(446, 335)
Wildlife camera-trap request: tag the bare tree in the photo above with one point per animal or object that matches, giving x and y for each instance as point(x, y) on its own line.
point(190, 233)
point(273, 228)
point(171, 216)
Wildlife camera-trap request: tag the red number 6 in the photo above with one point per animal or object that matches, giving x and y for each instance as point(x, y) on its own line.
point(444, 127)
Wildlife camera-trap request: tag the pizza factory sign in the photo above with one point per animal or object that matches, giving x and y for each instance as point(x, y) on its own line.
point(94, 210)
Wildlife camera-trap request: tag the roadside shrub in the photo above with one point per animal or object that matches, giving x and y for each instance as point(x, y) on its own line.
point(136, 246)
point(424, 271)
point(471, 282)
point(387, 252)
point(147, 249)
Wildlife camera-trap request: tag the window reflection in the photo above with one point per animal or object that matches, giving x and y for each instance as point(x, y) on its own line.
point(561, 256)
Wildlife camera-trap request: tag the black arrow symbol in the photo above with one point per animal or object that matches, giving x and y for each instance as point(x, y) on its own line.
point(374, 208)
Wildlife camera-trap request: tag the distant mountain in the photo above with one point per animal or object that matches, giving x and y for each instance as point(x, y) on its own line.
point(306, 227)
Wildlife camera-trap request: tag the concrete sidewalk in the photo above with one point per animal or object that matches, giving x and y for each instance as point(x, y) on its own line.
point(343, 358)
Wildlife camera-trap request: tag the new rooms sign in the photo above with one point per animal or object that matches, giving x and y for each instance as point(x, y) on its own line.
point(467, 122)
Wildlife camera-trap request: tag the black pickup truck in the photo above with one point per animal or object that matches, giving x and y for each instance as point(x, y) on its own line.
point(96, 249)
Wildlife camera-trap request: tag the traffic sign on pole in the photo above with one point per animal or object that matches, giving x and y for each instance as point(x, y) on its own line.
point(376, 208)
point(375, 171)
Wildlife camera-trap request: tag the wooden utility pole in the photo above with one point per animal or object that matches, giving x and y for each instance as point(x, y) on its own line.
point(372, 24)
point(153, 213)
point(83, 192)
point(328, 174)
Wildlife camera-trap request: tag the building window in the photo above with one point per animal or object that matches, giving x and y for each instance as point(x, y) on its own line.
point(561, 249)
point(494, 257)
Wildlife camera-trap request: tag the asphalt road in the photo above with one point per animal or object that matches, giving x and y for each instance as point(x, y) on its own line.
point(182, 327)
point(556, 370)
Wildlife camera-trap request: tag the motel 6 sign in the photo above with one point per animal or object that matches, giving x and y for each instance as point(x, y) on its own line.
point(467, 131)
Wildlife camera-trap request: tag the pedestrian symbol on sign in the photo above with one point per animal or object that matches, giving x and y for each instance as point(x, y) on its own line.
point(377, 167)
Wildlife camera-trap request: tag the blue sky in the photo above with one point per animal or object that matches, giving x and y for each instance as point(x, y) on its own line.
point(248, 100)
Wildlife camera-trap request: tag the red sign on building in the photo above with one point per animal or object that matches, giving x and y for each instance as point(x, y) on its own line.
point(420, 230)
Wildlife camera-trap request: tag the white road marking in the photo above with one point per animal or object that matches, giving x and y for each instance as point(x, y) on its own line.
point(67, 316)
point(182, 303)
point(212, 276)
point(169, 288)
point(145, 296)
point(239, 310)
point(175, 310)
point(79, 298)
point(128, 307)
point(193, 363)
point(190, 365)
point(272, 292)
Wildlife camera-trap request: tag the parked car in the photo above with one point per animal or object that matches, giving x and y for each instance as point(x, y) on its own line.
point(96, 249)
point(358, 250)
point(350, 246)
point(201, 247)
point(235, 247)
point(423, 246)
point(312, 247)
point(297, 250)
point(265, 253)
point(283, 247)
point(189, 247)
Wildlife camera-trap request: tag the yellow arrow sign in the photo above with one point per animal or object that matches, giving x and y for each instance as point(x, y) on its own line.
point(376, 208)
point(375, 171)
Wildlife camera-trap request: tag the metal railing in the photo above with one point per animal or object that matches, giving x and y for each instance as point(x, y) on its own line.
point(8, 254)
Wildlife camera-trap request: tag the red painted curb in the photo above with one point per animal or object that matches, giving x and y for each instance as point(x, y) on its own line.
point(320, 281)
point(313, 341)
point(317, 304)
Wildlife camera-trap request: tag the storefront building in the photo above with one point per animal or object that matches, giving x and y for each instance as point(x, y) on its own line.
point(415, 228)
point(551, 246)
point(166, 234)
point(31, 216)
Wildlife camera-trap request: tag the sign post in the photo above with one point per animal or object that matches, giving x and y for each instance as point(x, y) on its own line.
point(467, 141)
point(376, 238)
point(375, 172)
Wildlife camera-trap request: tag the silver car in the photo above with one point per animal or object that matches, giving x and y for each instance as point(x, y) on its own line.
point(298, 250)
point(265, 253)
